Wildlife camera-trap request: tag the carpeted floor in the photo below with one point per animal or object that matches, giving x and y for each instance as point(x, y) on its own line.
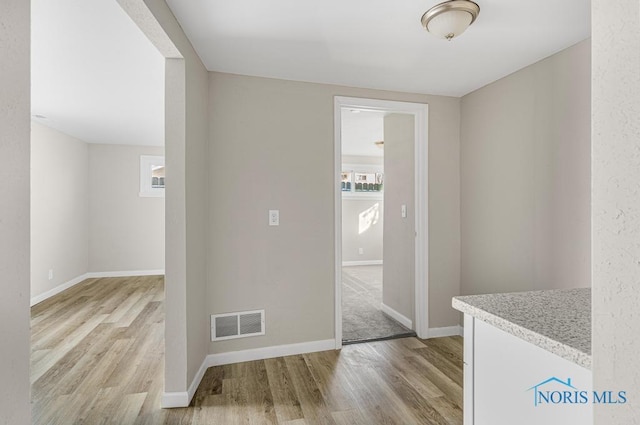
point(362, 319)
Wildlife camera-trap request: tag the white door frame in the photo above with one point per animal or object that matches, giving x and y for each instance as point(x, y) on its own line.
point(420, 112)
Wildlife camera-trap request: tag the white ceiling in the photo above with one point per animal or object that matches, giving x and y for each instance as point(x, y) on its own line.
point(377, 43)
point(360, 131)
point(94, 75)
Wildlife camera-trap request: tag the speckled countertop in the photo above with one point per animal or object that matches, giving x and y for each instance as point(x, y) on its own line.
point(558, 321)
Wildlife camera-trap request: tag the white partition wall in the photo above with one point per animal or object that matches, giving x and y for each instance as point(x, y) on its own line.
point(616, 205)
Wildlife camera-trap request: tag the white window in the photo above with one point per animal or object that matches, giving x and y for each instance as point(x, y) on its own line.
point(362, 181)
point(151, 176)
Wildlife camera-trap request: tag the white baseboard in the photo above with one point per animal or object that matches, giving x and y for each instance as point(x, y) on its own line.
point(54, 291)
point(182, 399)
point(270, 352)
point(362, 263)
point(125, 273)
point(91, 275)
point(404, 320)
point(176, 399)
point(447, 331)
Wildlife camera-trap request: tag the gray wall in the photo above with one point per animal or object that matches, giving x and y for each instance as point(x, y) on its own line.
point(126, 230)
point(272, 148)
point(525, 190)
point(398, 289)
point(15, 407)
point(59, 208)
point(616, 206)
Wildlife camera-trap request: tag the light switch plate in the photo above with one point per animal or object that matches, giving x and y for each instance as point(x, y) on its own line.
point(403, 210)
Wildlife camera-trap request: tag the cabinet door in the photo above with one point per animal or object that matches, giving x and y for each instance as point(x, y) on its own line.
point(505, 368)
point(467, 389)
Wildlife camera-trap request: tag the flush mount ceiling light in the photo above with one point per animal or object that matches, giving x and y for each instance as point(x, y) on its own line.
point(451, 18)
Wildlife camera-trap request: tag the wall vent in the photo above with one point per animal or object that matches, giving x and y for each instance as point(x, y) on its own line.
point(237, 325)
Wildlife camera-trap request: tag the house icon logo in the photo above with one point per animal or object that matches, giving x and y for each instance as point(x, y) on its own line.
point(556, 391)
point(564, 393)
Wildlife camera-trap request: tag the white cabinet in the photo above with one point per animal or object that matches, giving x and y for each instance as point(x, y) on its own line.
point(510, 381)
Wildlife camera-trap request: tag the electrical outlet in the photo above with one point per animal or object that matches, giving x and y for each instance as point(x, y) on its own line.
point(274, 217)
point(50, 274)
point(361, 251)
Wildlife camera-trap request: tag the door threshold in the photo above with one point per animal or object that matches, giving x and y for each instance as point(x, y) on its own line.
point(382, 338)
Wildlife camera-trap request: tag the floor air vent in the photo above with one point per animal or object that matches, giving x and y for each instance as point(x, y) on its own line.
point(237, 325)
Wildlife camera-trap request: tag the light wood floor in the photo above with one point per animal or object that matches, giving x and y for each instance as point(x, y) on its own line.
point(97, 358)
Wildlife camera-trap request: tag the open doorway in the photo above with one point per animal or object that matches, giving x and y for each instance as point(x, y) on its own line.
point(381, 219)
point(97, 103)
point(366, 238)
point(97, 210)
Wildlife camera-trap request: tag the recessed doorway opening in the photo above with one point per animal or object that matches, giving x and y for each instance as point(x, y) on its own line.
point(381, 220)
point(365, 281)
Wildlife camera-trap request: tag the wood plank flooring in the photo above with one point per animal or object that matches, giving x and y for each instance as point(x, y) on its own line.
point(98, 354)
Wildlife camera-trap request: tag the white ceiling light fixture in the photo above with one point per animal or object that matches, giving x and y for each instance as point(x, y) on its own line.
point(451, 18)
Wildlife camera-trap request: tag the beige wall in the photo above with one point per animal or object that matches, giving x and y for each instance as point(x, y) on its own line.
point(444, 211)
point(361, 159)
point(525, 190)
point(15, 19)
point(84, 197)
point(126, 231)
point(616, 206)
point(271, 141)
point(186, 202)
point(197, 204)
point(398, 288)
point(353, 209)
point(59, 208)
point(368, 214)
